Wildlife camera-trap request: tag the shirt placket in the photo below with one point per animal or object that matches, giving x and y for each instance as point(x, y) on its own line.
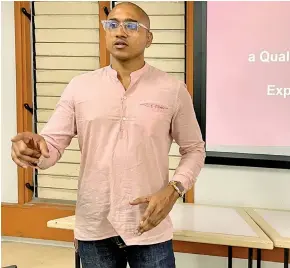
point(123, 114)
point(124, 106)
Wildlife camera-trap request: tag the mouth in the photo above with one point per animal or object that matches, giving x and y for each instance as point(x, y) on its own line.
point(120, 44)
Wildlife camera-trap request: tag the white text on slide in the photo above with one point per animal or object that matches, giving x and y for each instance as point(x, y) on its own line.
point(272, 90)
point(267, 57)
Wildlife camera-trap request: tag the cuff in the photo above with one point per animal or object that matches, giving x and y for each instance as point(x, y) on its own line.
point(40, 163)
point(186, 183)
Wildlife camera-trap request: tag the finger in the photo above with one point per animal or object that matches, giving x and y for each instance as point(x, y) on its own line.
point(156, 221)
point(25, 137)
point(140, 200)
point(28, 159)
point(150, 209)
point(153, 221)
point(147, 225)
point(23, 163)
point(26, 147)
point(24, 150)
point(146, 219)
point(43, 148)
point(32, 153)
point(144, 229)
point(33, 145)
point(17, 161)
point(18, 137)
point(30, 144)
point(28, 140)
point(22, 153)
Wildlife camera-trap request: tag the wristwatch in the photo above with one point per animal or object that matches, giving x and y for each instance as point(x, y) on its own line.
point(177, 185)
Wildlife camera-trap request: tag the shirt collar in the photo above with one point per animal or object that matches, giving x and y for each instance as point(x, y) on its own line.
point(134, 75)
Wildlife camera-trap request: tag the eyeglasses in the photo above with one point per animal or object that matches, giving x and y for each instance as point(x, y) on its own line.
point(128, 26)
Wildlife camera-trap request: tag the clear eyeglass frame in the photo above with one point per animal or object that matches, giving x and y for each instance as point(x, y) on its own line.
point(124, 25)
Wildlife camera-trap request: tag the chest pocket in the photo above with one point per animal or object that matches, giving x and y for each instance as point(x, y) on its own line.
point(154, 118)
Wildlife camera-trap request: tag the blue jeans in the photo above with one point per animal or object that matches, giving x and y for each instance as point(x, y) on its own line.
point(113, 253)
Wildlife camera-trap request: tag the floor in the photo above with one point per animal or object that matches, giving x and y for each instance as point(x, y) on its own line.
point(26, 255)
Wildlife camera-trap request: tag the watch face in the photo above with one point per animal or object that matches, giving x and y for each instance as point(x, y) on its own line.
point(180, 187)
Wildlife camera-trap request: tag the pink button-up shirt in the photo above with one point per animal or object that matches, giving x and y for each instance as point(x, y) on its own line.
point(124, 138)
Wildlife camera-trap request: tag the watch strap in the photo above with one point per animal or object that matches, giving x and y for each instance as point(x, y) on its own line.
point(177, 188)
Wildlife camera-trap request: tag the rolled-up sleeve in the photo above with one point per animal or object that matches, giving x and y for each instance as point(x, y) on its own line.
point(61, 127)
point(186, 132)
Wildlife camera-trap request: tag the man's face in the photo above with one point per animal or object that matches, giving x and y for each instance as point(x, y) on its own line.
point(123, 43)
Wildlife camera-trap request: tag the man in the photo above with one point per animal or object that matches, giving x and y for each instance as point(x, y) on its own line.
point(126, 116)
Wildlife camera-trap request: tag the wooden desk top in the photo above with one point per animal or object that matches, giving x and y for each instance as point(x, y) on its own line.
point(275, 223)
point(205, 224)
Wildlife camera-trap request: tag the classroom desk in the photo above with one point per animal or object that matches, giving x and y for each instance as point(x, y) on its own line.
point(206, 224)
point(276, 224)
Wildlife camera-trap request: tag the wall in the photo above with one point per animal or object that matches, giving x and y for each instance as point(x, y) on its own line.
point(9, 188)
point(216, 184)
point(244, 186)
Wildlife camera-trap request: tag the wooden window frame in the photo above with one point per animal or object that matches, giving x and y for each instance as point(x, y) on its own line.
point(189, 52)
point(23, 89)
point(104, 54)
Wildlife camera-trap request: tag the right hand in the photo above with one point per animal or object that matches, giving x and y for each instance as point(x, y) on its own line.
point(27, 148)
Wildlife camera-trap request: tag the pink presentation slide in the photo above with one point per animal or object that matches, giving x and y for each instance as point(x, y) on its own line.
point(248, 77)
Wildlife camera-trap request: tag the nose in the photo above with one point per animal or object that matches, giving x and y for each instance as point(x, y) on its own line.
point(120, 32)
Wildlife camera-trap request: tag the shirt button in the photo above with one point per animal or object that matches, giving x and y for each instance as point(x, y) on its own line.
point(124, 98)
point(124, 118)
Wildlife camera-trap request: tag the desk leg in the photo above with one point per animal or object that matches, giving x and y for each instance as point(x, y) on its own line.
point(230, 257)
point(259, 257)
point(250, 258)
point(77, 260)
point(286, 257)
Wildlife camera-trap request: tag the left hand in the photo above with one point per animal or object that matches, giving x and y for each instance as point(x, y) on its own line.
point(159, 206)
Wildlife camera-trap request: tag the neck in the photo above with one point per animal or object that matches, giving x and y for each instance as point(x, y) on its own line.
point(125, 68)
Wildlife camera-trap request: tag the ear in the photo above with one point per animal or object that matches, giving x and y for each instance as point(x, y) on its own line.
point(149, 39)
